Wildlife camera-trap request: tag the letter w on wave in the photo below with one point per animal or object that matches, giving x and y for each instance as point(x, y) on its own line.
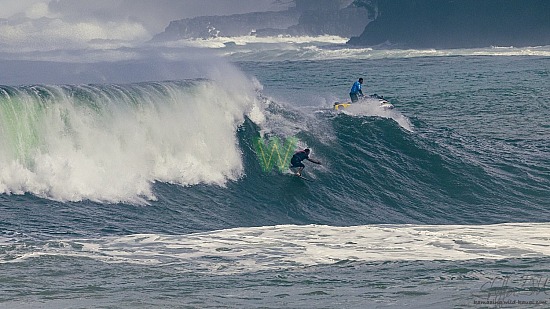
point(274, 153)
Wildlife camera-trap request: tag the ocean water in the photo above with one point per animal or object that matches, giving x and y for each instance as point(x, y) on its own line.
point(152, 194)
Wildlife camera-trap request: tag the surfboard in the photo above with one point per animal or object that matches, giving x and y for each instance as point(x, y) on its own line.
point(293, 173)
point(383, 103)
point(306, 179)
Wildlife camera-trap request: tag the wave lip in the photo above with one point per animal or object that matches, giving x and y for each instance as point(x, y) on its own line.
point(109, 143)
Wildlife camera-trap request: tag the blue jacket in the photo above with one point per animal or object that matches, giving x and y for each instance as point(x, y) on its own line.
point(356, 88)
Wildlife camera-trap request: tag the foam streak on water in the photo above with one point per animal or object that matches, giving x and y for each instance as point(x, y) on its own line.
point(243, 250)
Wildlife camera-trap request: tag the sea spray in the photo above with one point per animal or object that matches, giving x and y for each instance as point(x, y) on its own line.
point(111, 142)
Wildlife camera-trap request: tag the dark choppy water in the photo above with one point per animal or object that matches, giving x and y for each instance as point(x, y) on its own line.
point(152, 195)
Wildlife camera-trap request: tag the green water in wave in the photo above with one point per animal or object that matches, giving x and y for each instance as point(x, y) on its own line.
point(21, 116)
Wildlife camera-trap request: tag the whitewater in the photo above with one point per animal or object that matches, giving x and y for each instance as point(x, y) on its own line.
point(137, 184)
point(110, 142)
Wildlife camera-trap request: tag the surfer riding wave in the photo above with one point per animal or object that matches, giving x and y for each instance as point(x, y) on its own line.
point(296, 164)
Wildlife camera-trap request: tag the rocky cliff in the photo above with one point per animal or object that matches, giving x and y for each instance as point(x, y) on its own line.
point(456, 23)
point(228, 26)
point(346, 22)
point(308, 17)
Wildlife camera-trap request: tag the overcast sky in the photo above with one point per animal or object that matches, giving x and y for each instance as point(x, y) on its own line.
point(90, 41)
point(48, 24)
point(156, 14)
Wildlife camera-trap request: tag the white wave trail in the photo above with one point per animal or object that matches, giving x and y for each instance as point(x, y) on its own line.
point(242, 250)
point(287, 48)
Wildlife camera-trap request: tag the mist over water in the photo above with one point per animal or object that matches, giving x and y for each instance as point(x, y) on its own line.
point(62, 24)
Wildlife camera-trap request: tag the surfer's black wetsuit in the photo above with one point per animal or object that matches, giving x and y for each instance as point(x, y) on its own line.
point(297, 159)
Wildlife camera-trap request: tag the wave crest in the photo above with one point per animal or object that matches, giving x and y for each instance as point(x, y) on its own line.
point(109, 143)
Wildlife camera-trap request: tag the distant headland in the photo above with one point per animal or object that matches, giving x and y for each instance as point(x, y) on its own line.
point(388, 23)
point(456, 23)
point(305, 18)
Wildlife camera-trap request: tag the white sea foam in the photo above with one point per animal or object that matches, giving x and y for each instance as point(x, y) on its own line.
point(285, 48)
point(289, 246)
point(220, 42)
point(110, 143)
point(372, 107)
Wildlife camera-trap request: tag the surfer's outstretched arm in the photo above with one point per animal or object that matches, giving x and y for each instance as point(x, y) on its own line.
point(314, 161)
